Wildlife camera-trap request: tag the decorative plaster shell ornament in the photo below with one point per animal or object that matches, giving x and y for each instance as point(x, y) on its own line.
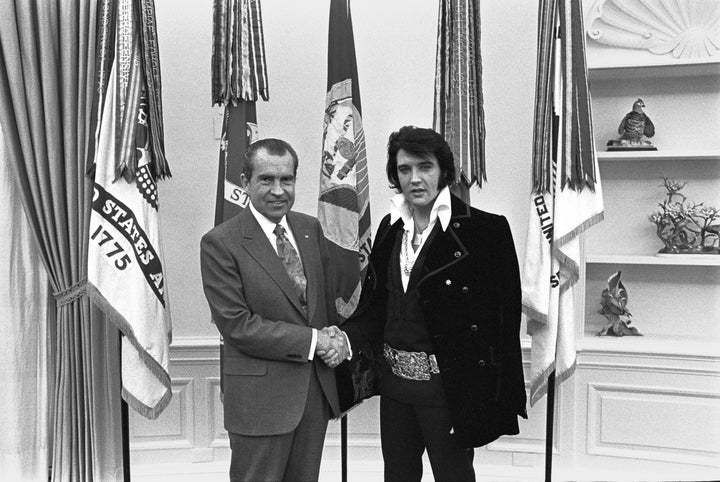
point(685, 28)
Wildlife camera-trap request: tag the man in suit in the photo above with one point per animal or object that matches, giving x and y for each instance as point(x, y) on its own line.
point(266, 277)
point(441, 301)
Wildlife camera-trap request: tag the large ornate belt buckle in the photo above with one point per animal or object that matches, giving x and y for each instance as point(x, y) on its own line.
point(409, 365)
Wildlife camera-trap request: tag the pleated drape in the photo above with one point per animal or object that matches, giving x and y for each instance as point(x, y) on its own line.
point(47, 64)
point(24, 448)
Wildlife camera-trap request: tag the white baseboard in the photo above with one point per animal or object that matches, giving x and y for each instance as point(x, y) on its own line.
point(372, 471)
point(365, 472)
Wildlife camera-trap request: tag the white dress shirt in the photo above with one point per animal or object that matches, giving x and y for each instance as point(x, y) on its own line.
point(400, 208)
point(268, 228)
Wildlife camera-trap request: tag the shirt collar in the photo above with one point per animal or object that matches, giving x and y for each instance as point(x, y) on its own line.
point(267, 225)
point(441, 210)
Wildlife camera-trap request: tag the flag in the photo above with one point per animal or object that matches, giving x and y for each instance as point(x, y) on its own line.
point(344, 202)
point(239, 71)
point(126, 277)
point(458, 110)
point(239, 79)
point(567, 193)
point(239, 130)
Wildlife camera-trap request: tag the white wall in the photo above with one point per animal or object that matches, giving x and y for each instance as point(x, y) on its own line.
point(187, 200)
point(395, 45)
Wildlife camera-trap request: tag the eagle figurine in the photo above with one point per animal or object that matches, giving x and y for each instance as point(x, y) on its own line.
point(635, 125)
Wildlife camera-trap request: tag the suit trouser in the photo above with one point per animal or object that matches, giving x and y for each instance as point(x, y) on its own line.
point(294, 456)
point(407, 430)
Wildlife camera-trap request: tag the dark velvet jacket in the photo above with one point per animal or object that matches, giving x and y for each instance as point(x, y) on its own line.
point(470, 296)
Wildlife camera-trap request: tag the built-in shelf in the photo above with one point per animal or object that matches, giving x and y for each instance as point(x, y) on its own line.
point(666, 67)
point(653, 344)
point(670, 260)
point(671, 155)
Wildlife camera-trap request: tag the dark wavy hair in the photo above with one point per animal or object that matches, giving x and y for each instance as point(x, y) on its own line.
point(423, 143)
point(274, 147)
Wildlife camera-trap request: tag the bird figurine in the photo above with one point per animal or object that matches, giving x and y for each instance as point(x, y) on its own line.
point(635, 125)
point(613, 303)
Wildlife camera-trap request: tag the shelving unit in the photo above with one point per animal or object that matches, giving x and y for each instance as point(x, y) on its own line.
point(659, 345)
point(633, 395)
point(682, 101)
point(616, 68)
point(656, 156)
point(643, 259)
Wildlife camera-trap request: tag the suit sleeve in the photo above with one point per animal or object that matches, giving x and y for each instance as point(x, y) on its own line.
point(252, 334)
point(511, 377)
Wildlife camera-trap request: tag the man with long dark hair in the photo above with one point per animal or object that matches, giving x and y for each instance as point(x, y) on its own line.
point(441, 302)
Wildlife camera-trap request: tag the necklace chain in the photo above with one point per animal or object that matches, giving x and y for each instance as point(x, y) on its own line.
point(407, 261)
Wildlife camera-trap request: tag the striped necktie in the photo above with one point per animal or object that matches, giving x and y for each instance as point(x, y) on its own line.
point(291, 261)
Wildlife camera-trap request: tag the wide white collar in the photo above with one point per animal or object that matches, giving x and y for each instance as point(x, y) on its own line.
point(441, 210)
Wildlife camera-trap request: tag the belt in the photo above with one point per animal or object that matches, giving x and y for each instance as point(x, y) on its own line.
point(412, 365)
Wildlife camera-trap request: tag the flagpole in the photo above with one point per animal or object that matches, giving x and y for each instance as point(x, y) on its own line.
point(125, 419)
point(343, 448)
point(126, 440)
point(550, 410)
point(549, 426)
point(344, 186)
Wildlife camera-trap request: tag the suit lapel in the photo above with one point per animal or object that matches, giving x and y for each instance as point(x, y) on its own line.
point(258, 246)
point(446, 248)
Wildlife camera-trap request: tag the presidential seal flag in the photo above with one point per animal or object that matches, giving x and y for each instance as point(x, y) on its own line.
point(126, 277)
point(344, 202)
point(567, 195)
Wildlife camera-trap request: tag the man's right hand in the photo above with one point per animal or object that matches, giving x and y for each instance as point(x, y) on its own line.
point(331, 346)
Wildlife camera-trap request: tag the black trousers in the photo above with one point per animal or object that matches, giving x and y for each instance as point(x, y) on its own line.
point(407, 430)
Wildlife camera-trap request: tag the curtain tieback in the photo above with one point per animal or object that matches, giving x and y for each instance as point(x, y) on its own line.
point(68, 295)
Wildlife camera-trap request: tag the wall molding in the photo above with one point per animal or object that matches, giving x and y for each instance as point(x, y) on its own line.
point(215, 428)
point(644, 362)
point(192, 350)
point(681, 401)
point(678, 28)
point(192, 429)
point(174, 427)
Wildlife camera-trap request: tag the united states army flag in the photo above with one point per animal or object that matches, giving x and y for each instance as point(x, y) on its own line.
point(126, 276)
point(567, 194)
point(550, 272)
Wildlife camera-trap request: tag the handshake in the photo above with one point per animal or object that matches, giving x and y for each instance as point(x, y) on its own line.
point(332, 346)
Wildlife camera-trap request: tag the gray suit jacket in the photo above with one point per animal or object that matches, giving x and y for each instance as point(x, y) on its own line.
point(266, 332)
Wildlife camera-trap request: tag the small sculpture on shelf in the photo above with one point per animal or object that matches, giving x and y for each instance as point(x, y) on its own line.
point(684, 227)
point(635, 125)
point(613, 302)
